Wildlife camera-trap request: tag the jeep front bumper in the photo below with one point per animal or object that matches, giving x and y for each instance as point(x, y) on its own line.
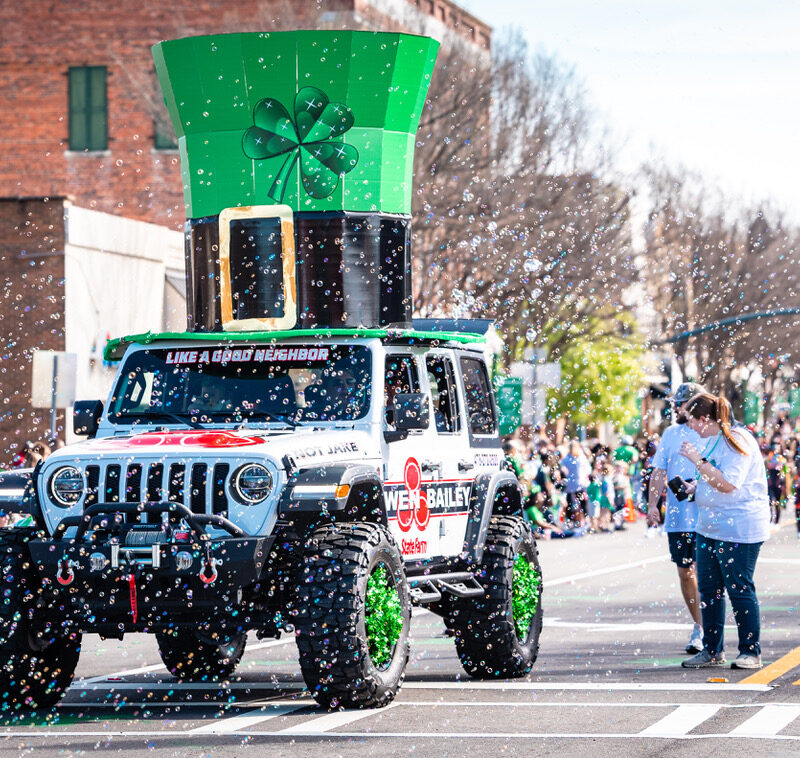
point(110, 588)
point(118, 575)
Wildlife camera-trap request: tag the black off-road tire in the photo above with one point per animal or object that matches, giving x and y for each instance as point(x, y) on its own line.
point(36, 668)
point(486, 637)
point(330, 622)
point(192, 659)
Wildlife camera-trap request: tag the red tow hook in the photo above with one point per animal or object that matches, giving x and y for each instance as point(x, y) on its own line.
point(65, 575)
point(208, 575)
point(132, 592)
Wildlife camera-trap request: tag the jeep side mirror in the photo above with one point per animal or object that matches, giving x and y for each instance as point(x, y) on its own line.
point(411, 411)
point(86, 416)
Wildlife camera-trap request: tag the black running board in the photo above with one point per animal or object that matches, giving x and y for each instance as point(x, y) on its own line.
point(429, 589)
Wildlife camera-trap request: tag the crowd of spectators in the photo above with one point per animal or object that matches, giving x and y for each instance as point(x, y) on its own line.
point(585, 487)
point(780, 446)
point(577, 487)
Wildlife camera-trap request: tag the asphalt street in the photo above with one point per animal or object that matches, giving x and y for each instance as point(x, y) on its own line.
point(608, 680)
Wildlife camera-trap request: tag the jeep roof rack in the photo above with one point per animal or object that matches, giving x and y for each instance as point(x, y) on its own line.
point(460, 325)
point(115, 348)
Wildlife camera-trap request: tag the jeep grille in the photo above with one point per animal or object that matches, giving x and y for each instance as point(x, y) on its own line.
point(199, 486)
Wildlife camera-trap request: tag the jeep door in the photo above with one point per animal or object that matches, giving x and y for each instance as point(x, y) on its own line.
point(448, 496)
point(411, 465)
point(480, 414)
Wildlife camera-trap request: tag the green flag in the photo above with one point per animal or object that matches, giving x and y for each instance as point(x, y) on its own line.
point(508, 392)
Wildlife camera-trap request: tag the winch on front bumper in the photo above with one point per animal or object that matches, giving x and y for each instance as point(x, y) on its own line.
point(119, 575)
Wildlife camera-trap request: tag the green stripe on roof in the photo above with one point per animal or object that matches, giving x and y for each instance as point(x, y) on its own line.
point(115, 348)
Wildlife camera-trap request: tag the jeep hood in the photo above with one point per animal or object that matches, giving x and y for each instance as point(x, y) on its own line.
point(300, 445)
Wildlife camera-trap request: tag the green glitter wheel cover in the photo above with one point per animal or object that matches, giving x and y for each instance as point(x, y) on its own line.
point(525, 591)
point(383, 617)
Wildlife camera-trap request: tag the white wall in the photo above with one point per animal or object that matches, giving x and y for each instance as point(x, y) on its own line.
point(115, 284)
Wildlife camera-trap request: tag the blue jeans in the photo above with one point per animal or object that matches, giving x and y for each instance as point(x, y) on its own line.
point(728, 566)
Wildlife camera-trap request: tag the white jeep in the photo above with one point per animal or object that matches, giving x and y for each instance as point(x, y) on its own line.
point(320, 482)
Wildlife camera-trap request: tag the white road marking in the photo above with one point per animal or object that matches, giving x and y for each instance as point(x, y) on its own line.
point(600, 571)
point(602, 686)
point(642, 626)
point(160, 666)
point(304, 702)
point(768, 721)
point(178, 686)
point(334, 720)
point(128, 672)
point(244, 720)
point(50, 733)
point(461, 685)
point(676, 725)
point(182, 704)
point(503, 735)
point(564, 704)
point(681, 721)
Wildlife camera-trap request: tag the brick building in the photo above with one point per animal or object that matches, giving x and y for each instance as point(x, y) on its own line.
point(31, 311)
point(84, 140)
point(71, 278)
point(79, 102)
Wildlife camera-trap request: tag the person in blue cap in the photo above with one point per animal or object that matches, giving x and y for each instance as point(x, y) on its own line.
point(680, 517)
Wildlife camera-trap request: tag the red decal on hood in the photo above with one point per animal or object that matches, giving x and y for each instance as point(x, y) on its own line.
point(210, 438)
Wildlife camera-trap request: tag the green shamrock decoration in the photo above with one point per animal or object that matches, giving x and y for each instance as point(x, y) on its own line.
point(309, 139)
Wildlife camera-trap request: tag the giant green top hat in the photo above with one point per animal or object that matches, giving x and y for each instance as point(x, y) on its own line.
point(320, 124)
point(318, 120)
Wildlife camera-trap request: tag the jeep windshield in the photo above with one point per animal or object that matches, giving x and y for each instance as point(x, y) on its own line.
point(283, 384)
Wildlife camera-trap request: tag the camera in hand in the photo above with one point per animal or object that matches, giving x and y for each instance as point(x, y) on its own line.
point(679, 488)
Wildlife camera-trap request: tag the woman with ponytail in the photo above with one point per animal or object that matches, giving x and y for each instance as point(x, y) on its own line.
point(732, 524)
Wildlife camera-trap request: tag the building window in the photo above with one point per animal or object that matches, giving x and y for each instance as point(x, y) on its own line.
point(164, 132)
point(88, 108)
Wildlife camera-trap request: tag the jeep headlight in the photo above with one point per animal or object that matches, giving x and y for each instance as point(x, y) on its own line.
point(252, 484)
point(66, 486)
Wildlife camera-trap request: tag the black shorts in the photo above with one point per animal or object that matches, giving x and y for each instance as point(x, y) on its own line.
point(683, 548)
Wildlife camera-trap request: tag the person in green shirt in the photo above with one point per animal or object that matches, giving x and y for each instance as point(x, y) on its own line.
point(627, 453)
point(511, 462)
point(544, 529)
point(594, 492)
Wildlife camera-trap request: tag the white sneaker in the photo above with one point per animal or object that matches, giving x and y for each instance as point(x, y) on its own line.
point(744, 661)
point(696, 640)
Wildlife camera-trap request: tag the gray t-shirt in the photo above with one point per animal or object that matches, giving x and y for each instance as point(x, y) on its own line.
point(680, 516)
